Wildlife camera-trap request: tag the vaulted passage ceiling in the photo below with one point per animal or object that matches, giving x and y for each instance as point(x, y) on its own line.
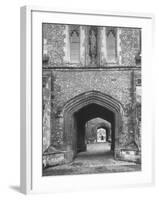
point(93, 111)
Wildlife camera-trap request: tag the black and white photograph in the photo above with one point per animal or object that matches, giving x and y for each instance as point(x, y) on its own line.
point(79, 100)
point(91, 99)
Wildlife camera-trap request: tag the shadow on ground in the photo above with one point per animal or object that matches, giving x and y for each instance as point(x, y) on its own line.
point(15, 188)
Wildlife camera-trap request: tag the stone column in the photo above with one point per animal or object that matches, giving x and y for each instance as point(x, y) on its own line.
point(83, 45)
point(46, 110)
point(103, 53)
point(67, 45)
point(119, 46)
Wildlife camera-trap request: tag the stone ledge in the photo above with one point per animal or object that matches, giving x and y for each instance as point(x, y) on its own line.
point(130, 155)
point(57, 158)
point(100, 68)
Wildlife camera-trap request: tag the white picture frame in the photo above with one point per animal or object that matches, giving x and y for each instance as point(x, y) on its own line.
point(31, 83)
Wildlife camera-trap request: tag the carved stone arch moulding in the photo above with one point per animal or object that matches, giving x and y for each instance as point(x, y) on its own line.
point(81, 101)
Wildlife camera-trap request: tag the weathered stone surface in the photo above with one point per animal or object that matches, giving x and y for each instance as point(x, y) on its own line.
point(54, 36)
point(46, 111)
point(130, 155)
point(56, 46)
point(53, 159)
point(130, 45)
point(61, 84)
point(68, 84)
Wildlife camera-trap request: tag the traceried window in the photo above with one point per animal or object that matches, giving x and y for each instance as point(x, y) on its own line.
point(92, 45)
point(74, 34)
point(111, 44)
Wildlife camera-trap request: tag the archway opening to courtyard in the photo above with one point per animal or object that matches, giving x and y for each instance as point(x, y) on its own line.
point(95, 129)
point(101, 135)
point(98, 136)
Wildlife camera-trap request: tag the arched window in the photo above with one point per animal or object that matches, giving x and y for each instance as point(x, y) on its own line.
point(74, 34)
point(111, 44)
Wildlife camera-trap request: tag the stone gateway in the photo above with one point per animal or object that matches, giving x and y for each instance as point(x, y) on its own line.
point(91, 80)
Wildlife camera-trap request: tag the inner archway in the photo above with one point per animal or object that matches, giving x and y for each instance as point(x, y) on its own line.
point(94, 125)
point(98, 136)
point(84, 107)
point(87, 113)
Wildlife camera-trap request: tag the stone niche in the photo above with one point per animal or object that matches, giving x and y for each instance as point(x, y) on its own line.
point(90, 46)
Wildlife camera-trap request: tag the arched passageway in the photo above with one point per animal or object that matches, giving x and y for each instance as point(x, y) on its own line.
point(98, 136)
point(93, 126)
point(79, 110)
point(87, 113)
point(106, 126)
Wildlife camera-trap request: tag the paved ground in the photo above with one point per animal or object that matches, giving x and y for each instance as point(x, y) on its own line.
point(97, 159)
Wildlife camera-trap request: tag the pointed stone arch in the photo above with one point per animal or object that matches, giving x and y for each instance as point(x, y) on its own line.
point(98, 100)
point(106, 126)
